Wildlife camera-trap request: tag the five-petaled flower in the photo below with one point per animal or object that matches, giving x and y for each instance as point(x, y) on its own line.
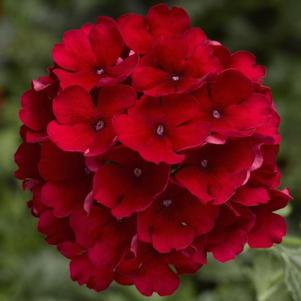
point(82, 126)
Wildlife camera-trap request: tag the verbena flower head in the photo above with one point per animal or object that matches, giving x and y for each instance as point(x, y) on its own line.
point(148, 146)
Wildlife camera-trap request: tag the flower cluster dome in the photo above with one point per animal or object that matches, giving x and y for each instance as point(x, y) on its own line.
point(148, 146)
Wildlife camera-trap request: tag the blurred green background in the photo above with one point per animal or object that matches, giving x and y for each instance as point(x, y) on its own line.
point(30, 270)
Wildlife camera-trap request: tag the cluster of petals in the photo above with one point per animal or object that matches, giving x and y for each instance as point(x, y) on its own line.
point(147, 147)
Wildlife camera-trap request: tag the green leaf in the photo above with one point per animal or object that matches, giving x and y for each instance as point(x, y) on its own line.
point(292, 264)
point(268, 277)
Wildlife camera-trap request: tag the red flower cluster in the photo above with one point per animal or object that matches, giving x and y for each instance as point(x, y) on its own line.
point(148, 146)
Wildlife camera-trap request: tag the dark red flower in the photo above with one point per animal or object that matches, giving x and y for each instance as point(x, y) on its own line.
point(149, 271)
point(85, 60)
point(139, 32)
point(268, 175)
point(67, 181)
point(36, 104)
point(128, 184)
point(27, 158)
point(56, 230)
point(242, 60)
point(157, 131)
point(232, 107)
point(159, 73)
point(98, 247)
point(214, 172)
point(230, 234)
point(77, 116)
point(175, 219)
point(270, 227)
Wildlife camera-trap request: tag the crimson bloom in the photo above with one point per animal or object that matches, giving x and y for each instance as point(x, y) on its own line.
point(77, 116)
point(66, 182)
point(139, 32)
point(157, 131)
point(84, 59)
point(127, 184)
point(175, 219)
point(148, 146)
point(214, 172)
point(160, 73)
point(232, 107)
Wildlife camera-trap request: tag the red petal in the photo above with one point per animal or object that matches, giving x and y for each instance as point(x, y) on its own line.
point(73, 138)
point(118, 73)
point(230, 87)
point(135, 34)
point(157, 277)
point(86, 79)
point(116, 99)
point(269, 229)
point(107, 44)
point(251, 196)
point(83, 271)
point(86, 236)
point(36, 110)
point(152, 81)
point(56, 230)
point(75, 53)
point(163, 20)
point(245, 62)
point(68, 165)
point(64, 197)
point(73, 105)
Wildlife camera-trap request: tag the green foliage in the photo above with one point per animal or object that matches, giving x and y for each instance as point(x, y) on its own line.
point(292, 270)
point(32, 271)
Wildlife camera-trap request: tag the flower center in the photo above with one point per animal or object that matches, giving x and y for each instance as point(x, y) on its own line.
point(175, 78)
point(167, 203)
point(204, 163)
point(216, 114)
point(160, 130)
point(99, 71)
point(100, 124)
point(137, 172)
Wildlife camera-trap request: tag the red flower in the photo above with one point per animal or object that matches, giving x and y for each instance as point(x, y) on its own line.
point(157, 131)
point(214, 172)
point(67, 181)
point(230, 234)
point(174, 220)
point(139, 32)
point(56, 230)
point(85, 60)
point(268, 175)
point(270, 227)
point(159, 73)
point(77, 116)
point(243, 61)
point(149, 271)
point(231, 107)
point(96, 253)
point(148, 146)
point(128, 184)
point(27, 158)
point(36, 104)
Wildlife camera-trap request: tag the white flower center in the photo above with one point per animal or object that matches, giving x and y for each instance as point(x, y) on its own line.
point(99, 71)
point(137, 172)
point(216, 114)
point(175, 78)
point(204, 163)
point(160, 130)
point(99, 125)
point(167, 203)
